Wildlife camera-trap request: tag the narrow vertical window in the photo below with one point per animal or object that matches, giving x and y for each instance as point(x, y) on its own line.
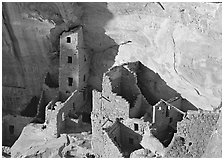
point(135, 127)
point(68, 39)
point(115, 139)
point(84, 78)
point(69, 59)
point(70, 81)
point(84, 58)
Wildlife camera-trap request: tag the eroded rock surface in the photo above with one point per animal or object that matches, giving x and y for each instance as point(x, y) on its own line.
point(180, 41)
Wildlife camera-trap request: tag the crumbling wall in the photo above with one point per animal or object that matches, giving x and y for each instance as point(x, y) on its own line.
point(103, 111)
point(193, 134)
point(113, 106)
point(115, 78)
point(129, 88)
point(12, 127)
point(51, 112)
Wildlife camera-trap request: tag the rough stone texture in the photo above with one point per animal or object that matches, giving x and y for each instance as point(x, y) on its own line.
point(31, 137)
point(142, 153)
point(79, 66)
point(152, 143)
point(214, 147)
point(193, 134)
point(182, 43)
point(103, 111)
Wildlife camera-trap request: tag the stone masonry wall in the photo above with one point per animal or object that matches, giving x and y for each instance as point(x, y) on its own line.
point(193, 134)
point(68, 69)
point(104, 110)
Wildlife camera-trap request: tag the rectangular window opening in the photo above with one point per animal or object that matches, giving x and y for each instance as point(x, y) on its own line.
point(115, 139)
point(11, 129)
point(68, 39)
point(135, 127)
point(84, 78)
point(70, 81)
point(167, 112)
point(69, 59)
point(171, 119)
point(84, 58)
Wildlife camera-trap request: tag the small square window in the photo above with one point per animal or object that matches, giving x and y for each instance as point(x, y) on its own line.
point(70, 81)
point(135, 127)
point(68, 39)
point(11, 129)
point(69, 59)
point(171, 119)
point(131, 141)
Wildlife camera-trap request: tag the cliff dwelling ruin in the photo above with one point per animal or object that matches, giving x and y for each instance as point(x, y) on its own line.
point(95, 103)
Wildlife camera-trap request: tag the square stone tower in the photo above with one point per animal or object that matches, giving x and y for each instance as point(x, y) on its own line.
point(74, 63)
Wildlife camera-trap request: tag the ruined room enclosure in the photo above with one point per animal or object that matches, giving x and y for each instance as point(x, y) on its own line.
point(35, 112)
point(145, 89)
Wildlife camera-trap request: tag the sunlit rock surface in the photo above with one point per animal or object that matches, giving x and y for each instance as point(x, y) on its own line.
point(179, 41)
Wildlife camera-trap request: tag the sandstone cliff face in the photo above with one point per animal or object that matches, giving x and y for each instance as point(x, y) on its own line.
point(179, 41)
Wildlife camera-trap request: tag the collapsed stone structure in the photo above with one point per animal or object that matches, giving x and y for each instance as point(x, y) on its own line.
point(122, 112)
point(59, 103)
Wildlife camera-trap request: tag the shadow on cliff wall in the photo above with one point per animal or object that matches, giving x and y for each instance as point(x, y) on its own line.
point(154, 88)
point(103, 49)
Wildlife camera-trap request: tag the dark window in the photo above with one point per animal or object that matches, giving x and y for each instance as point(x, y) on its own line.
point(131, 141)
point(115, 139)
point(167, 112)
point(68, 39)
point(171, 119)
point(84, 78)
point(135, 127)
point(11, 129)
point(70, 81)
point(69, 59)
point(84, 58)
